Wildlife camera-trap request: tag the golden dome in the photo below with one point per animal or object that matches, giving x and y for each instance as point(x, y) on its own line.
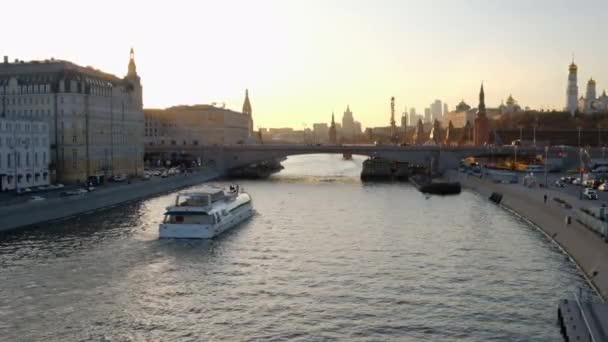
point(573, 67)
point(591, 81)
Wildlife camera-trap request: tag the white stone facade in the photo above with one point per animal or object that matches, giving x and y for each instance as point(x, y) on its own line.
point(95, 119)
point(24, 154)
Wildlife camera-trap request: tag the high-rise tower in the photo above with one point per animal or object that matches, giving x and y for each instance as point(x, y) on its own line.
point(572, 90)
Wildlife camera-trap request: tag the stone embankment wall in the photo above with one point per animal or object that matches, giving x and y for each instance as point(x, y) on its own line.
point(33, 213)
point(585, 246)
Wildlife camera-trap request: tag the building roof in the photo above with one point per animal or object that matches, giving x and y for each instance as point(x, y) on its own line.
point(47, 70)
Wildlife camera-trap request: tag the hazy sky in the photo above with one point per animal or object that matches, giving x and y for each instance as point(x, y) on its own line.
point(301, 59)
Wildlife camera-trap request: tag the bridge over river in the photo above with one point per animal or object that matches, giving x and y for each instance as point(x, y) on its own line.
point(441, 158)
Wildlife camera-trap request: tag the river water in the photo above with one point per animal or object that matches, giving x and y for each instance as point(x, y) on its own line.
point(325, 258)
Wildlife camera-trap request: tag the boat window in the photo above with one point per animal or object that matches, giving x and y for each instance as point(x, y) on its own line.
point(179, 218)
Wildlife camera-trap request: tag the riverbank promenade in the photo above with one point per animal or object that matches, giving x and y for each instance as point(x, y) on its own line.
point(33, 213)
point(586, 247)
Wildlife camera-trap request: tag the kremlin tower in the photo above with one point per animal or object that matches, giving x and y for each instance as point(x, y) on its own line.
point(333, 137)
point(481, 131)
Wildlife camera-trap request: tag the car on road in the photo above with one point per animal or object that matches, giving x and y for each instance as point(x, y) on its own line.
point(590, 194)
point(36, 199)
point(559, 184)
point(576, 181)
point(76, 192)
point(603, 187)
point(567, 179)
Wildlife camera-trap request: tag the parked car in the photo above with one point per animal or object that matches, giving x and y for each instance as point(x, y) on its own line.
point(145, 177)
point(23, 191)
point(590, 194)
point(576, 181)
point(119, 178)
point(603, 187)
point(559, 184)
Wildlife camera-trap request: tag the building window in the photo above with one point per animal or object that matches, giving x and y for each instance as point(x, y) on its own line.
point(27, 159)
point(173, 142)
point(35, 158)
point(44, 158)
point(9, 161)
point(195, 143)
point(74, 158)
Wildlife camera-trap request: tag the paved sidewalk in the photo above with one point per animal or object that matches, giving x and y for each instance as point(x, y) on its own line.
point(582, 244)
point(32, 213)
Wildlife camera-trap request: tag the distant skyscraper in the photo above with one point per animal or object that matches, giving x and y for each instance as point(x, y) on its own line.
point(347, 122)
point(427, 115)
point(412, 119)
point(445, 108)
point(436, 110)
point(572, 91)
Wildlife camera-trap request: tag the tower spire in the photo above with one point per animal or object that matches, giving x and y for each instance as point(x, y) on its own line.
point(247, 104)
point(132, 71)
point(482, 101)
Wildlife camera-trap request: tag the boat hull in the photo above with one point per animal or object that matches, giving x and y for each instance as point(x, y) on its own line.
point(198, 231)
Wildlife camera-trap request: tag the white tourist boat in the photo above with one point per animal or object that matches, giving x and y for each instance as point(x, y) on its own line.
point(205, 213)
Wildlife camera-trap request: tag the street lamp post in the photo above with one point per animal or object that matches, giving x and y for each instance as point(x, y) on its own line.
point(515, 159)
point(580, 155)
point(546, 165)
point(521, 133)
point(579, 136)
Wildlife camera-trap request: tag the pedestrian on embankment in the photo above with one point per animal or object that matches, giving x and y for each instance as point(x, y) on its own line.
point(545, 198)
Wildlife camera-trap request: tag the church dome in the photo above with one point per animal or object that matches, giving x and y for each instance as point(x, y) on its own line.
point(591, 81)
point(573, 67)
